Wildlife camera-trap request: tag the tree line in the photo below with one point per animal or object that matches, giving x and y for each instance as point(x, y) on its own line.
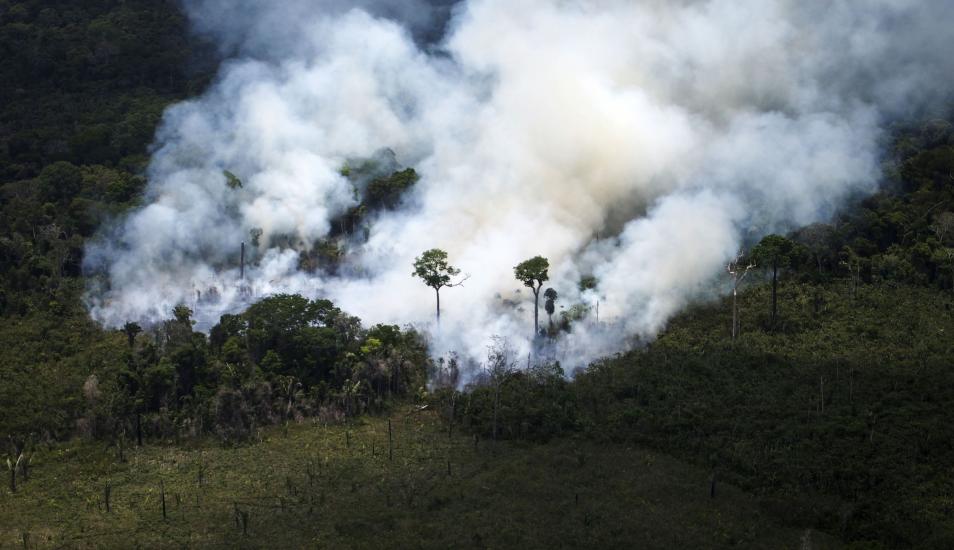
point(773, 252)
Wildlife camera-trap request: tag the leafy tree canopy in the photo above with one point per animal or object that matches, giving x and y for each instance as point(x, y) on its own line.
point(432, 268)
point(773, 251)
point(533, 272)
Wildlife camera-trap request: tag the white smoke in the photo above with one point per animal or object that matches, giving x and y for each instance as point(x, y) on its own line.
point(675, 130)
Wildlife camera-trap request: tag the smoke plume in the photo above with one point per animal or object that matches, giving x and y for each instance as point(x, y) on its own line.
point(639, 142)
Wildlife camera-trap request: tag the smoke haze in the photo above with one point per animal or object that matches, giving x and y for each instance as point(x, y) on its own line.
point(676, 131)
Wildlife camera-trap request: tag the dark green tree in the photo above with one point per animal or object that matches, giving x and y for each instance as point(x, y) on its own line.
point(131, 330)
point(386, 192)
point(550, 305)
point(60, 182)
point(183, 314)
point(305, 337)
point(232, 180)
point(587, 282)
point(774, 252)
point(533, 273)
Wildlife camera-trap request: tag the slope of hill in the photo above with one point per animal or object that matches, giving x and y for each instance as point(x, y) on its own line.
point(343, 487)
point(834, 419)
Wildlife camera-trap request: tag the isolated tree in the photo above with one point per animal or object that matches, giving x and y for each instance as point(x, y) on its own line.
point(432, 268)
point(550, 305)
point(533, 273)
point(183, 315)
point(738, 273)
point(131, 329)
point(773, 252)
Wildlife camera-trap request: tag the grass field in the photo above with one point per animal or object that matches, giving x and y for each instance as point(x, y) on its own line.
point(335, 486)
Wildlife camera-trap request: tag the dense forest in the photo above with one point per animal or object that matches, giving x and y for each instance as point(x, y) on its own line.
point(831, 405)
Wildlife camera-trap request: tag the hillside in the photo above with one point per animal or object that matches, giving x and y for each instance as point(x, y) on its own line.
point(825, 423)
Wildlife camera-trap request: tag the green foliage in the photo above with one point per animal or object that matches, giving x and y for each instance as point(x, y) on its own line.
point(306, 336)
point(551, 297)
point(533, 272)
point(231, 180)
point(131, 330)
point(534, 404)
point(898, 234)
point(587, 282)
point(325, 254)
point(87, 82)
point(432, 268)
point(840, 413)
point(386, 192)
point(378, 183)
point(183, 315)
point(59, 182)
point(85, 85)
point(576, 312)
point(773, 252)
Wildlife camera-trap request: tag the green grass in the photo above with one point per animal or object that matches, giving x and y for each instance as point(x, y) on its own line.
point(308, 487)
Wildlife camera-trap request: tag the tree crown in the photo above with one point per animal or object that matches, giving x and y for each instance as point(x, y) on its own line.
point(773, 250)
point(433, 269)
point(551, 295)
point(533, 272)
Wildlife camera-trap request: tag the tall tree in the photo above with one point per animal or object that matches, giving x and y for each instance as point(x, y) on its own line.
point(432, 268)
point(131, 329)
point(773, 252)
point(738, 271)
point(533, 273)
point(550, 305)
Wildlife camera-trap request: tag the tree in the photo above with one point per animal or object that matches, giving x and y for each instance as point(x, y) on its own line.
point(178, 330)
point(817, 239)
point(386, 192)
point(183, 314)
point(587, 282)
point(432, 268)
point(131, 329)
point(738, 273)
point(774, 251)
point(550, 305)
point(294, 336)
point(232, 180)
point(533, 273)
point(59, 182)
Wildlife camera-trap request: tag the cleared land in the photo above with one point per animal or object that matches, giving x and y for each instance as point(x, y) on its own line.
point(335, 486)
